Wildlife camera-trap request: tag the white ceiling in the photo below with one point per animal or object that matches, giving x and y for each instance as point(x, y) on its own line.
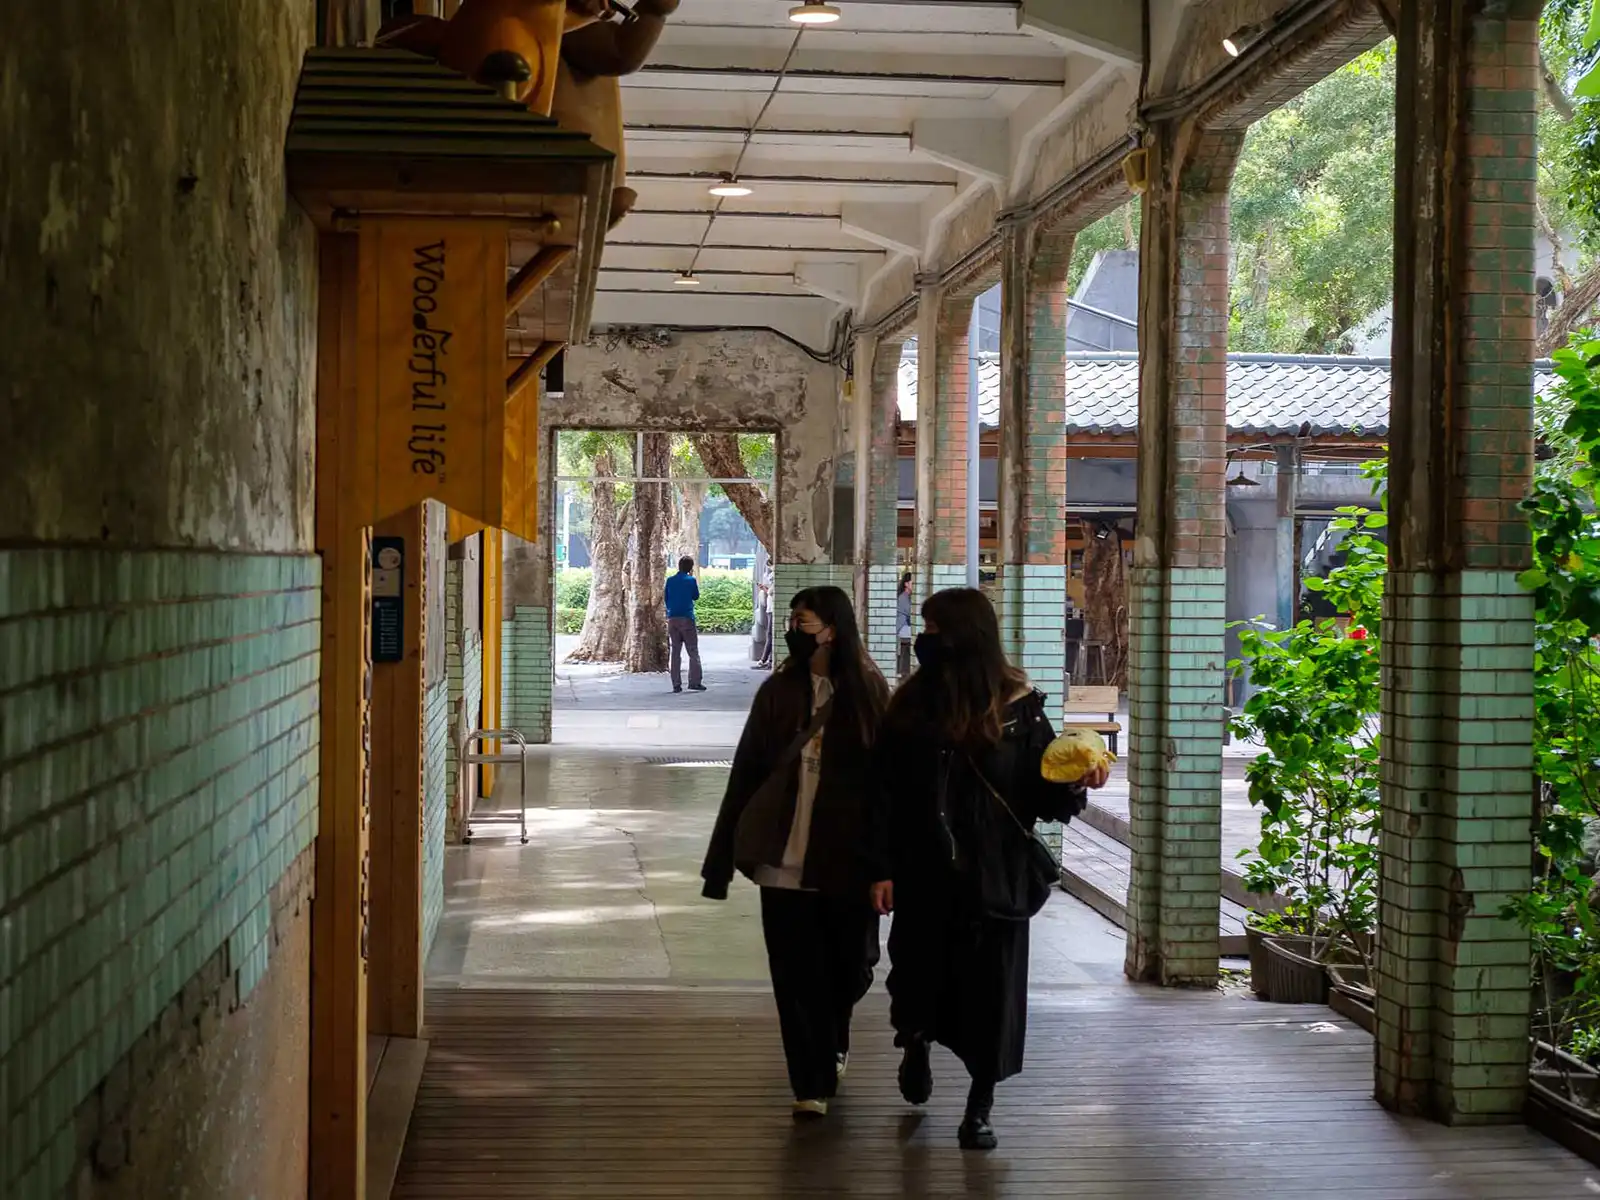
point(858, 139)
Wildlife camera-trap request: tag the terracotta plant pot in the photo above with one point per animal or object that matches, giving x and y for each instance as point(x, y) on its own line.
point(1292, 973)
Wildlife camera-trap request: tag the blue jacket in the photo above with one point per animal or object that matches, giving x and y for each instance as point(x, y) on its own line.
point(682, 592)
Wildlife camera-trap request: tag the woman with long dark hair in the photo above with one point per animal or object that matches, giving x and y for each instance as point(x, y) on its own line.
point(795, 821)
point(960, 760)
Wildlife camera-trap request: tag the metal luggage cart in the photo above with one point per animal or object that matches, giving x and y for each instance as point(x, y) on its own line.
point(469, 759)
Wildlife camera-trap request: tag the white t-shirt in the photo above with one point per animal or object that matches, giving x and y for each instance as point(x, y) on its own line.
point(794, 851)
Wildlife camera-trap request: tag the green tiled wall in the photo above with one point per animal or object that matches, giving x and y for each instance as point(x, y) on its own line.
point(527, 673)
point(464, 661)
point(789, 578)
point(158, 774)
point(438, 785)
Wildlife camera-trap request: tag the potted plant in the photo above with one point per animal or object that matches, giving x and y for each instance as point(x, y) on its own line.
point(1313, 708)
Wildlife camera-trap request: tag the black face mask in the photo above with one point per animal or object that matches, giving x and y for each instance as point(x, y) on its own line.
point(802, 645)
point(928, 649)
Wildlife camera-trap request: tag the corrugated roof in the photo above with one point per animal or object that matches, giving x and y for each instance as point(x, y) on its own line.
point(1268, 394)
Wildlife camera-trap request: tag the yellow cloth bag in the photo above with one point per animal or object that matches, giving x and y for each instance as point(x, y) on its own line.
point(1073, 755)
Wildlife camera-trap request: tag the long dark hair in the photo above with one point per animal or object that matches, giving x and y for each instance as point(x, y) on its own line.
point(860, 695)
point(964, 695)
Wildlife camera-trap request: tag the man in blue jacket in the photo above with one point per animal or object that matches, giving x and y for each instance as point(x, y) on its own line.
point(682, 592)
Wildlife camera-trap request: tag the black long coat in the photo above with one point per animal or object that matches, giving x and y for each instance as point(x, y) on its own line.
point(752, 832)
point(959, 975)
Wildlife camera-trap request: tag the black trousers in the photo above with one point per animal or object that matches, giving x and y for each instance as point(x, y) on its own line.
point(821, 951)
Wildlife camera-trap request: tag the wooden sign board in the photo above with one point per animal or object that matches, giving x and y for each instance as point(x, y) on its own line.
point(430, 382)
point(520, 485)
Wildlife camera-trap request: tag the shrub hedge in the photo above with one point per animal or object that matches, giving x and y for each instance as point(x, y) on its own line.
point(726, 605)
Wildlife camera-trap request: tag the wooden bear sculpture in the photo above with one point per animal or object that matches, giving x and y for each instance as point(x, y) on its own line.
point(509, 44)
point(588, 96)
point(557, 56)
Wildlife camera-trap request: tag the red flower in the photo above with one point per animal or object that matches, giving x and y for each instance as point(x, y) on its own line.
point(1358, 633)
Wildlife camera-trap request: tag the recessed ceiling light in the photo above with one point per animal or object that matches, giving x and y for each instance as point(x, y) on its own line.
point(686, 280)
point(813, 12)
point(729, 187)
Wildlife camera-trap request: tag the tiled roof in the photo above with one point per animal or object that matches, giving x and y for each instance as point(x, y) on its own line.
point(1268, 394)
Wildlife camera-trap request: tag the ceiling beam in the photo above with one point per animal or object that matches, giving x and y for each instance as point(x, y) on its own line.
point(927, 70)
point(897, 227)
point(737, 133)
point(709, 177)
point(979, 146)
point(830, 280)
point(1110, 31)
point(615, 243)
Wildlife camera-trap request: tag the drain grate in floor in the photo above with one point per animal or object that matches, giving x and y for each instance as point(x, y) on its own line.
point(674, 761)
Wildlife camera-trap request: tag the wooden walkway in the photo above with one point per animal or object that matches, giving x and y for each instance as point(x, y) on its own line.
point(1129, 1094)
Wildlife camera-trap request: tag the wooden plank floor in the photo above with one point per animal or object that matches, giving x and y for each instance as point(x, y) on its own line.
point(1128, 1093)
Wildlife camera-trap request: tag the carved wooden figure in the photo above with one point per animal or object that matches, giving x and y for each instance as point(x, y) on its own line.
point(588, 96)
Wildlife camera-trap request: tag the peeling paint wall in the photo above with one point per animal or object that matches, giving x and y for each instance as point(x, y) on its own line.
point(720, 381)
point(158, 282)
point(965, 227)
point(1104, 120)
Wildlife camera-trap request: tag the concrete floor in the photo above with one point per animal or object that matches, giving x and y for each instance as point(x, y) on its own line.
point(620, 809)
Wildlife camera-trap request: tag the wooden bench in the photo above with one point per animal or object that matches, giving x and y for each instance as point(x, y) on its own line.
point(1088, 701)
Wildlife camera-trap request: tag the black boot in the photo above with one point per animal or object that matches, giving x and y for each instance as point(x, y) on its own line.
point(976, 1133)
point(916, 1072)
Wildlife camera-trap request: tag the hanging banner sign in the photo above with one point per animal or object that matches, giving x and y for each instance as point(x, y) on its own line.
point(520, 488)
point(431, 372)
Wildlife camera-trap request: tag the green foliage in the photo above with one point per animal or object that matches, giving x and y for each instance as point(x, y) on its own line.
point(1569, 147)
point(1312, 214)
point(1117, 230)
point(1316, 781)
point(726, 605)
point(1558, 910)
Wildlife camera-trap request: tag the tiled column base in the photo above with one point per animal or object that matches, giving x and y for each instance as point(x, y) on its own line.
point(527, 673)
point(438, 785)
point(883, 589)
point(1033, 598)
point(1453, 994)
point(789, 578)
point(1175, 772)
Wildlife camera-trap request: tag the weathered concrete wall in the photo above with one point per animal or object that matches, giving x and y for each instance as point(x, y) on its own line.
point(158, 283)
point(1103, 120)
point(964, 228)
point(724, 381)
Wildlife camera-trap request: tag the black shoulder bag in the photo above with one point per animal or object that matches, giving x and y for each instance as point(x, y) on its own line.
point(757, 830)
point(1018, 892)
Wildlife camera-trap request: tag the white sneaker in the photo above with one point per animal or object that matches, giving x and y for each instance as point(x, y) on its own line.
point(810, 1108)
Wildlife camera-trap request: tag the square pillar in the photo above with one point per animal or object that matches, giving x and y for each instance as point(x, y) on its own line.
point(1033, 454)
point(1457, 770)
point(942, 451)
point(1178, 584)
point(878, 495)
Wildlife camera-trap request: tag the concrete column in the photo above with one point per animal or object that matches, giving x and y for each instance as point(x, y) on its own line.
point(1033, 455)
point(942, 403)
point(1452, 976)
point(878, 494)
point(1178, 584)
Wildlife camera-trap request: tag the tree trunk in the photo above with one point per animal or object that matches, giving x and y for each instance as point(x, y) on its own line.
point(647, 624)
point(719, 454)
point(605, 620)
point(689, 503)
point(1105, 587)
point(1577, 303)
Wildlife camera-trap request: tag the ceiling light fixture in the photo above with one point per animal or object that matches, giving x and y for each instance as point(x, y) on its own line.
point(1241, 39)
point(686, 279)
point(814, 12)
point(729, 187)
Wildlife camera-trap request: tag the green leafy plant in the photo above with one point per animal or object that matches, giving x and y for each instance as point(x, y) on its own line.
point(1558, 910)
point(1316, 782)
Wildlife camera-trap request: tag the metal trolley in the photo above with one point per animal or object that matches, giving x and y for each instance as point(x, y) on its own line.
point(470, 759)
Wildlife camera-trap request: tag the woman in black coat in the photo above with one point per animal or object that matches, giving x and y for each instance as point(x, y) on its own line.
point(795, 821)
point(962, 742)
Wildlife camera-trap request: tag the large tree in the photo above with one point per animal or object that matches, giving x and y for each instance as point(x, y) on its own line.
point(1568, 207)
point(724, 457)
point(605, 620)
point(647, 570)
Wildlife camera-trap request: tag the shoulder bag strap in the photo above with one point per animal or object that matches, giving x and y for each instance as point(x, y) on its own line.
point(1001, 800)
point(792, 750)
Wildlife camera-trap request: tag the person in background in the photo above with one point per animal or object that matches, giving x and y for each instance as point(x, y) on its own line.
point(902, 624)
point(681, 593)
point(794, 820)
point(766, 609)
point(960, 763)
